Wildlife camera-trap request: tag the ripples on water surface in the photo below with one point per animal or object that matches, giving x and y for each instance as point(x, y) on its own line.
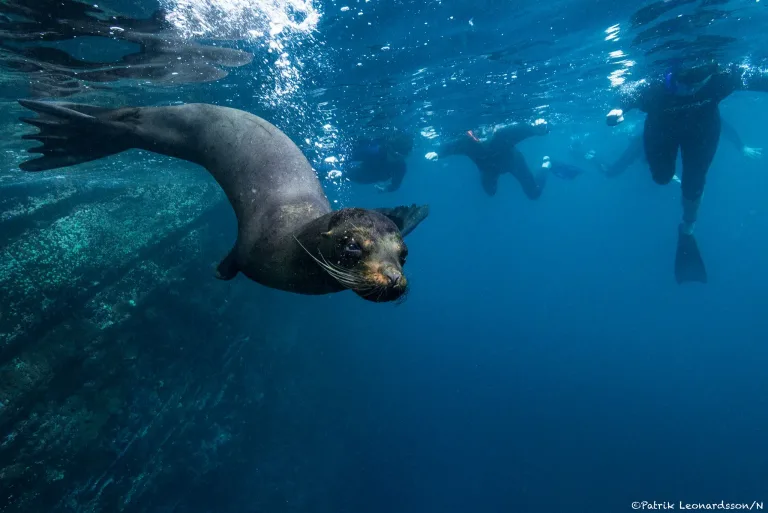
point(326, 71)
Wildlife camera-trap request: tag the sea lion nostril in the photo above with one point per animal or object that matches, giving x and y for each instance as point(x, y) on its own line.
point(393, 276)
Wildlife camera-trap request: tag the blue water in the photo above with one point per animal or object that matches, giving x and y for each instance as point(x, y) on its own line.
point(545, 360)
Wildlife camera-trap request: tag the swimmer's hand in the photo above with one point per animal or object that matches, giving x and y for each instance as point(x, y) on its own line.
point(541, 127)
point(615, 117)
point(752, 153)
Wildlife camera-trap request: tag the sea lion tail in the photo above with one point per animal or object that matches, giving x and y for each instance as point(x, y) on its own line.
point(71, 133)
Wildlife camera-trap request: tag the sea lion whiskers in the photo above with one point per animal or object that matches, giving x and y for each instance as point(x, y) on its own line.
point(354, 278)
point(347, 278)
point(374, 290)
point(402, 299)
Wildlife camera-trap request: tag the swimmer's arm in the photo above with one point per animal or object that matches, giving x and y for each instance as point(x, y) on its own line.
point(458, 146)
point(514, 134)
point(631, 154)
point(616, 114)
point(627, 102)
point(731, 135)
point(750, 79)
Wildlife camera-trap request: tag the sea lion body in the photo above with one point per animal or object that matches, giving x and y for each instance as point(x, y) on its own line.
point(269, 183)
point(288, 235)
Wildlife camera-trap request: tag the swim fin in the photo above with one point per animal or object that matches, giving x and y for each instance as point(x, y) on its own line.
point(689, 266)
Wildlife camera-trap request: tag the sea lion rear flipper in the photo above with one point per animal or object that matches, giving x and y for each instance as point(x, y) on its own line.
point(406, 218)
point(228, 268)
point(71, 134)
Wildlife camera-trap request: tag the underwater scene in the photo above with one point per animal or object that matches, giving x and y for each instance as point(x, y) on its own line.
point(383, 256)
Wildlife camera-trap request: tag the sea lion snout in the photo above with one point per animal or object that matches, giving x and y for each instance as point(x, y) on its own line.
point(393, 275)
point(388, 283)
point(388, 275)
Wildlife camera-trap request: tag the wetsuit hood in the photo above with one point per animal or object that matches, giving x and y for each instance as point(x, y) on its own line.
point(688, 80)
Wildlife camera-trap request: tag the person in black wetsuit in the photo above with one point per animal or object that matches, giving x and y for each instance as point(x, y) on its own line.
point(683, 114)
point(635, 150)
point(381, 159)
point(497, 155)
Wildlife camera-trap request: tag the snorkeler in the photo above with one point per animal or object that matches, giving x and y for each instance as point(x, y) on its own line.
point(562, 170)
point(683, 114)
point(381, 159)
point(634, 151)
point(496, 155)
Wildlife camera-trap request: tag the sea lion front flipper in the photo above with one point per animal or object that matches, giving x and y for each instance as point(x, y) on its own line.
point(406, 218)
point(228, 268)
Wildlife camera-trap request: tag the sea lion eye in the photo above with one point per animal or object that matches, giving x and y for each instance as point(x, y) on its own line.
point(352, 249)
point(403, 256)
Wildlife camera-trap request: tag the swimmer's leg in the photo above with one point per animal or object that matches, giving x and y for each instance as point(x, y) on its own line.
point(490, 182)
point(660, 150)
point(698, 150)
point(533, 185)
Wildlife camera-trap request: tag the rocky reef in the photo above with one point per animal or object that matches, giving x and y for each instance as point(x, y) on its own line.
point(131, 380)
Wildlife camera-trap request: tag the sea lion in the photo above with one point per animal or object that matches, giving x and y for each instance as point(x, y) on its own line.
point(288, 238)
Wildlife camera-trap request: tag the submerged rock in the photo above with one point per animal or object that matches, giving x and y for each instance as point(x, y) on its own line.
point(131, 380)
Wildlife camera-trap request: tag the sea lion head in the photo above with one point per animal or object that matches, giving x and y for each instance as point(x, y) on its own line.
point(364, 251)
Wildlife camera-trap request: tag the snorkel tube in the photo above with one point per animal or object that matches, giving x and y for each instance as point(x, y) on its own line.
point(671, 74)
point(669, 81)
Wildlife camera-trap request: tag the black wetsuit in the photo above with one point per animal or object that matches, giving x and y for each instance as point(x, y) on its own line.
point(375, 161)
point(636, 148)
point(690, 124)
point(497, 156)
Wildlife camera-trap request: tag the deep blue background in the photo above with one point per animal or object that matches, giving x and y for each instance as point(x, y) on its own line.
point(545, 359)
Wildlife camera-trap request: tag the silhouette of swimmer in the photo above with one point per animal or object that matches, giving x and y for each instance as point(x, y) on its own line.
point(683, 114)
point(496, 155)
point(381, 159)
point(562, 170)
